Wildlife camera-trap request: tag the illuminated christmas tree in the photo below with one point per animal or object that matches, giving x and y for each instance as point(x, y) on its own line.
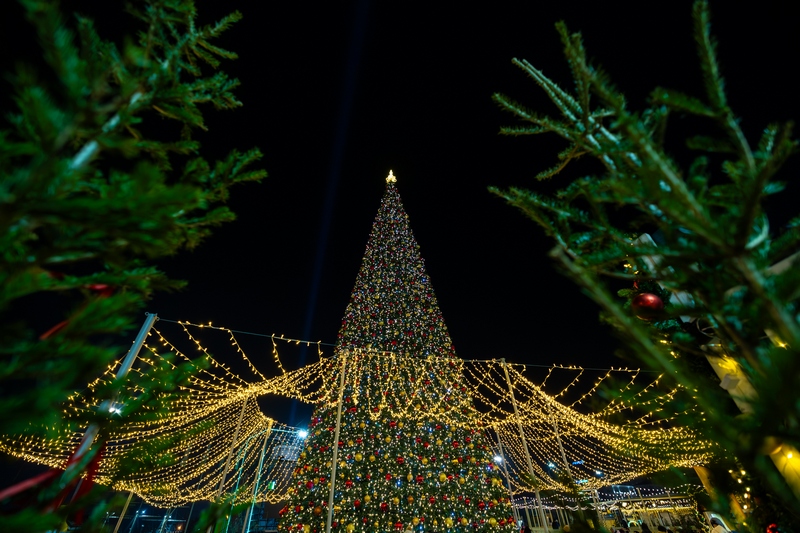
point(408, 451)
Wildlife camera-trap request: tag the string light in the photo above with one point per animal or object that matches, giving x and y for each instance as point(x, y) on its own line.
point(424, 420)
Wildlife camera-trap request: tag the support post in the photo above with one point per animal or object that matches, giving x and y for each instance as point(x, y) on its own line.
point(514, 510)
point(524, 444)
point(122, 372)
point(124, 510)
point(645, 512)
point(528, 515)
point(246, 525)
point(233, 446)
point(335, 459)
point(241, 460)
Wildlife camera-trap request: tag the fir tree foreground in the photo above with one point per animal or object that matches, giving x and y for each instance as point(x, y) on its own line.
point(91, 196)
point(409, 453)
point(730, 282)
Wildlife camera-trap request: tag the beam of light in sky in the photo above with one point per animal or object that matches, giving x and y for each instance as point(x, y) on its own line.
point(339, 143)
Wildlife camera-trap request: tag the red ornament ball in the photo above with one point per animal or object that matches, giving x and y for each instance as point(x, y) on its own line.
point(647, 306)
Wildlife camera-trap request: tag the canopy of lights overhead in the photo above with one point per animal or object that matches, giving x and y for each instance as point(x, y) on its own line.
point(209, 437)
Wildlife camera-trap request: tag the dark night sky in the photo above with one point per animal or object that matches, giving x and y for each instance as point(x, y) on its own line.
point(337, 93)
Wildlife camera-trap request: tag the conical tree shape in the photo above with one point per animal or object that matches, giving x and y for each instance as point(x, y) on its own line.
point(411, 453)
point(392, 307)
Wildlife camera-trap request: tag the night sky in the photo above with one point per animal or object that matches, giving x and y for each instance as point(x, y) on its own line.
point(338, 93)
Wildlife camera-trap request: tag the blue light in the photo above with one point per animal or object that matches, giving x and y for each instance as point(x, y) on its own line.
point(302, 433)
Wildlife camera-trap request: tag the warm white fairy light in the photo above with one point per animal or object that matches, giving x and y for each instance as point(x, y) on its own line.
point(199, 423)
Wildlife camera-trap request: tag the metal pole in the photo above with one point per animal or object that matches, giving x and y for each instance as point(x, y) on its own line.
point(672, 505)
point(241, 460)
point(164, 520)
point(124, 510)
point(230, 455)
point(528, 515)
point(560, 445)
point(336, 444)
point(233, 446)
point(514, 510)
point(596, 497)
point(644, 509)
point(135, 516)
point(524, 443)
point(122, 372)
point(246, 525)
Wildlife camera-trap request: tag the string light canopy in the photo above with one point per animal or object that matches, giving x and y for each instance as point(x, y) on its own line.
point(404, 433)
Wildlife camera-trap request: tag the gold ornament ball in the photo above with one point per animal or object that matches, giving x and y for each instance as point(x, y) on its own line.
point(371, 458)
point(350, 527)
point(415, 521)
point(492, 521)
point(449, 521)
point(424, 460)
point(409, 478)
point(306, 528)
point(367, 498)
point(359, 457)
point(464, 521)
point(362, 425)
point(317, 511)
point(461, 481)
point(396, 501)
point(410, 499)
point(442, 478)
point(388, 439)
